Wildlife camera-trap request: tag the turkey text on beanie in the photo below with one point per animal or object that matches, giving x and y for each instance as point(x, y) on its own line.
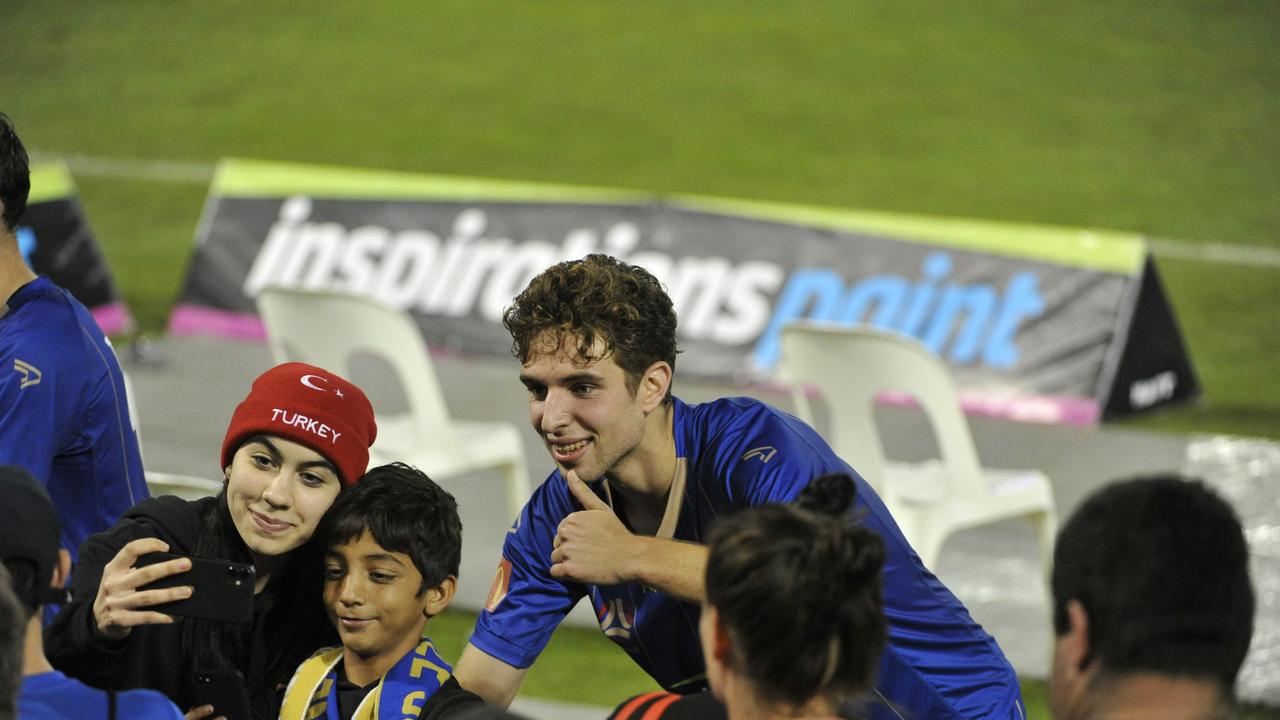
point(312, 407)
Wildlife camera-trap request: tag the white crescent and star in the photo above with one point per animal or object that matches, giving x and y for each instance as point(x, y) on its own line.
point(309, 379)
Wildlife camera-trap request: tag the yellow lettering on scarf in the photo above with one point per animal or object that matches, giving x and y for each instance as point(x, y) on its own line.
point(321, 704)
point(411, 706)
point(420, 664)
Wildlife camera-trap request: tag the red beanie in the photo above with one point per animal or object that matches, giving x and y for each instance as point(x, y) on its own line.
point(309, 406)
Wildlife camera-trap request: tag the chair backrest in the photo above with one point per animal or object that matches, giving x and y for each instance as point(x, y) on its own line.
point(131, 401)
point(184, 486)
point(328, 329)
point(850, 366)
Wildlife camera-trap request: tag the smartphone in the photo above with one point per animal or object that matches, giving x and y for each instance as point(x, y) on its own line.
point(224, 690)
point(222, 590)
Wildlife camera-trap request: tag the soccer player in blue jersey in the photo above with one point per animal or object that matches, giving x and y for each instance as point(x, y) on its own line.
point(640, 479)
point(63, 412)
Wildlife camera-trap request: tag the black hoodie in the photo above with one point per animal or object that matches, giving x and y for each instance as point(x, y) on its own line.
point(152, 656)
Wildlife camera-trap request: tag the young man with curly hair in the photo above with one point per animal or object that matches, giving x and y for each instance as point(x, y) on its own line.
point(640, 479)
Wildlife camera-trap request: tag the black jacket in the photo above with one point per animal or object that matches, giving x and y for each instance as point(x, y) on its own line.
point(152, 655)
point(450, 701)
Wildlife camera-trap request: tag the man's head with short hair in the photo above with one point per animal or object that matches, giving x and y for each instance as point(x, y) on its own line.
point(30, 536)
point(1150, 576)
point(607, 307)
point(15, 176)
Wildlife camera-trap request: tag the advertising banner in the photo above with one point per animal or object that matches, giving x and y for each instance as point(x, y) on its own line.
point(55, 240)
point(1036, 323)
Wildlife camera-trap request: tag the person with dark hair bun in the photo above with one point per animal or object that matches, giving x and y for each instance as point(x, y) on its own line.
point(793, 625)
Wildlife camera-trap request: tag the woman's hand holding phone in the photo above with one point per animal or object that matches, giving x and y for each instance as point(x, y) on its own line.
point(200, 712)
point(119, 606)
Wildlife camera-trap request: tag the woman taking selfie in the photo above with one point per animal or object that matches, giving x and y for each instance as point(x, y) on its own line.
point(299, 437)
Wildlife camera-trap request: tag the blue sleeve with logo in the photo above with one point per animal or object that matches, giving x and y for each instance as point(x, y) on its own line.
point(525, 603)
point(939, 662)
point(34, 392)
point(761, 455)
point(64, 415)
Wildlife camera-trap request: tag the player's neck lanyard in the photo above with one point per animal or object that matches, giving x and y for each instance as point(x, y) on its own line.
point(401, 693)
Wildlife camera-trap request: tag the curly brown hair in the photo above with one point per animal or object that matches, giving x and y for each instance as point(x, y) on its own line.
point(597, 298)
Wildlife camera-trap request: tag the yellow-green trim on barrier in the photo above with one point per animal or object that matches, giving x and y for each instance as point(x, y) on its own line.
point(1104, 250)
point(253, 178)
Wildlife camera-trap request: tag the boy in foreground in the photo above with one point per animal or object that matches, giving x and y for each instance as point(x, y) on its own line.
point(393, 544)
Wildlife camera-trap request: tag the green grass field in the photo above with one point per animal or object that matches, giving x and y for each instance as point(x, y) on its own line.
point(1155, 117)
point(1148, 116)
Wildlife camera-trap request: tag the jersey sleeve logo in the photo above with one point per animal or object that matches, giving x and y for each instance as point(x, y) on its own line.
point(764, 452)
point(501, 583)
point(31, 375)
point(616, 616)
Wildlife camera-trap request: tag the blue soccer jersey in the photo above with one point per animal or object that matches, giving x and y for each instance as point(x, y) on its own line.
point(54, 696)
point(735, 453)
point(63, 412)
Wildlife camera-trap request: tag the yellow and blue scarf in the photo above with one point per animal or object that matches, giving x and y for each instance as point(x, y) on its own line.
point(400, 694)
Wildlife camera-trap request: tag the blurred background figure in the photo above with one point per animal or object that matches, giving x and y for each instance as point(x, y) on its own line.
point(35, 570)
point(12, 632)
point(1153, 607)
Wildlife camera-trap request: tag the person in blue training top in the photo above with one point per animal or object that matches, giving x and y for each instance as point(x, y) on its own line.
point(36, 569)
point(63, 412)
point(641, 477)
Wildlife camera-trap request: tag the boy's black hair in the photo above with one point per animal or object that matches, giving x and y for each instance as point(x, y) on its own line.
point(406, 512)
point(1161, 566)
point(15, 174)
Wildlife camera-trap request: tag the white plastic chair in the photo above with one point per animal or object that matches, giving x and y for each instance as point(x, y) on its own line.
point(186, 487)
point(327, 329)
point(850, 366)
